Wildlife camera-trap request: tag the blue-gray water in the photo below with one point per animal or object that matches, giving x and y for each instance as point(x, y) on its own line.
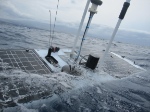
point(130, 94)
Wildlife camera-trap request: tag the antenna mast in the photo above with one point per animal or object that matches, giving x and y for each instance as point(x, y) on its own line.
point(80, 27)
point(121, 17)
point(92, 11)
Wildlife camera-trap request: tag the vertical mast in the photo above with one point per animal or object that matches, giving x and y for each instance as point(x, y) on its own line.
point(92, 11)
point(121, 17)
point(80, 27)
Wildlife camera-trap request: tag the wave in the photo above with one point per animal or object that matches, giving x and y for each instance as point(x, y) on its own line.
point(71, 93)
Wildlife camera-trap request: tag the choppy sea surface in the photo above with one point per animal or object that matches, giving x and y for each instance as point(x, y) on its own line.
point(129, 94)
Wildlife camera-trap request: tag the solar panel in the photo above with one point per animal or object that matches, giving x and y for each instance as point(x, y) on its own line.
point(26, 60)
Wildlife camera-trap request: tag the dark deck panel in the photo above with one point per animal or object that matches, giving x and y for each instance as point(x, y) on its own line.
point(21, 59)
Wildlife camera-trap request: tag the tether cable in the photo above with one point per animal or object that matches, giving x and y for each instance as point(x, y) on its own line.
point(50, 37)
point(85, 33)
point(55, 22)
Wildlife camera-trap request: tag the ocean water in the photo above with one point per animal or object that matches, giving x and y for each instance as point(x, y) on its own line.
point(101, 94)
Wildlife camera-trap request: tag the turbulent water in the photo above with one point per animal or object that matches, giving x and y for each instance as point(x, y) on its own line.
point(117, 95)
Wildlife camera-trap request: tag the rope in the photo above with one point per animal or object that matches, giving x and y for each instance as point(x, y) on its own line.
point(84, 59)
point(83, 38)
point(55, 22)
point(50, 28)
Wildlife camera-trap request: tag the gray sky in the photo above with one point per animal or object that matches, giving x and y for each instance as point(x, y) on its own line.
point(70, 11)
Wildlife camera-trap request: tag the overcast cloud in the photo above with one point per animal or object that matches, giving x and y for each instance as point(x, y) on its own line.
point(70, 12)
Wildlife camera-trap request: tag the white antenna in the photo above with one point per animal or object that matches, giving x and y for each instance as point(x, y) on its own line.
point(92, 11)
point(80, 27)
point(121, 17)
